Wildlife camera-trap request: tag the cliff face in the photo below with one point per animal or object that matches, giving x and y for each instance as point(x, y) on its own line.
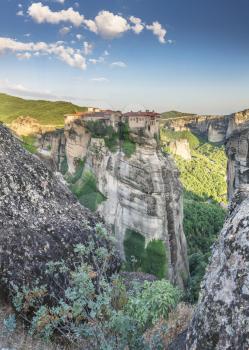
point(237, 149)
point(221, 317)
point(143, 192)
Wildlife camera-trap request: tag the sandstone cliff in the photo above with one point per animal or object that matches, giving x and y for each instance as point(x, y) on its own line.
point(40, 220)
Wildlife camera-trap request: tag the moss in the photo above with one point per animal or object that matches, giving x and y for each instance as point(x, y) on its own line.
point(128, 148)
point(152, 259)
point(87, 192)
point(64, 166)
point(134, 247)
point(29, 143)
point(155, 261)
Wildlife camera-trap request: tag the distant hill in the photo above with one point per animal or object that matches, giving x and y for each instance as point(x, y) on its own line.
point(45, 112)
point(175, 115)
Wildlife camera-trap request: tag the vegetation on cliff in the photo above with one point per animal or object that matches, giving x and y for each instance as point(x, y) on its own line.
point(204, 181)
point(151, 259)
point(45, 112)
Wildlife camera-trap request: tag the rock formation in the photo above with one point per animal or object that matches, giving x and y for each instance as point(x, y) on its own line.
point(221, 317)
point(143, 192)
point(24, 126)
point(40, 220)
point(237, 149)
point(180, 148)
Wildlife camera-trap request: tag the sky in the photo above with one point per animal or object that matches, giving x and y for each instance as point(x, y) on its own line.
point(186, 55)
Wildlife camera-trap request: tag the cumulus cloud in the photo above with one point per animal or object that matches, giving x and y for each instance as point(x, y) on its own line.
point(41, 14)
point(100, 80)
point(158, 30)
point(79, 36)
point(118, 64)
point(72, 57)
point(108, 25)
point(137, 26)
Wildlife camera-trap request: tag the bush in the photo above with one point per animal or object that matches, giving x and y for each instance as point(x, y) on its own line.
point(155, 261)
point(134, 247)
point(128, 148)
point(94, 311)
point(152, 259)
point(154, 301)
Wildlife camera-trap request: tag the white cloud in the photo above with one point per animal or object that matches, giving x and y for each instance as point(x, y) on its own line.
point(88, 48)
point(24, 56)
point(79, 36)
point(72, 57)
point(60, 1)
point(138, 26)
point(106, 53)
point(101, 59)
point(41, 14)
point(108, 25)
point(118, 64)
point(20, 6)
point(64, 31)
point(158, 30)
point(20, 13)
point(100, 80)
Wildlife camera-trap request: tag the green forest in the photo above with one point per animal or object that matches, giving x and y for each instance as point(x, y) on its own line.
point(204, 182)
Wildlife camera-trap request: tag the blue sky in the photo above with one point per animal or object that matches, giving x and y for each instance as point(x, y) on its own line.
point(189, 55)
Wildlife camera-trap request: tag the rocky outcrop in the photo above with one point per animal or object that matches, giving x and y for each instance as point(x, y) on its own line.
point(24, 126)
point(237, 149)
point(143, 193)
point(180, 148)
point(221, 317)
point(40, 220)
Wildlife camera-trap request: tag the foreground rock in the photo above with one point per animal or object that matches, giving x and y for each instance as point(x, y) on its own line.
point(40, 220)
point(221, 317)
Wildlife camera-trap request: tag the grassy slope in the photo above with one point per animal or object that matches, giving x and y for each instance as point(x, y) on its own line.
point(45, 112)
point(175, 115)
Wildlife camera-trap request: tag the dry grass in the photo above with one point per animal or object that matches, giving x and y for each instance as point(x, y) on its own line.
point(20, 339)
point(167, 331)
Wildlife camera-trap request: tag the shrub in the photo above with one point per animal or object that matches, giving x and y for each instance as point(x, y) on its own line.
point(134, 247)
point(64, 166)
point(155, 261)
point(152, 302)
point(29, 143)
point(94, 311)
point(128, 148)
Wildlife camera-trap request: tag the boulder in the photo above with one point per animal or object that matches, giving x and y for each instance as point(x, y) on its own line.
point(40, 220)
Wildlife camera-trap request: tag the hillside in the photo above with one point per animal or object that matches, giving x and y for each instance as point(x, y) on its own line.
point(175, 115)
point(45, 112)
